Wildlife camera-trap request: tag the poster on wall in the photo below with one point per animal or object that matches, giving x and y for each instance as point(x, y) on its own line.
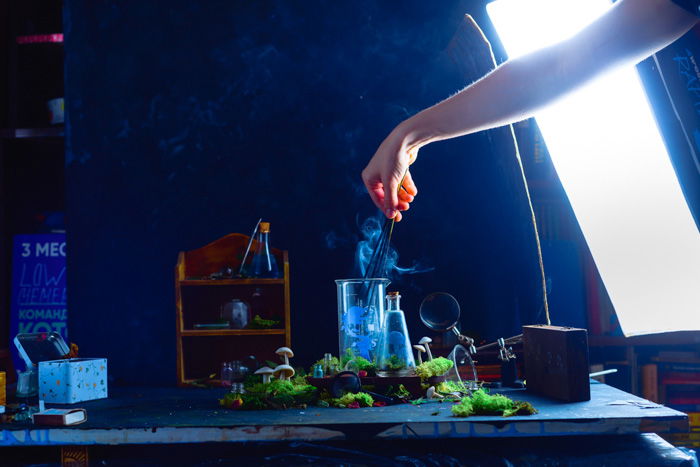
point(38, 301)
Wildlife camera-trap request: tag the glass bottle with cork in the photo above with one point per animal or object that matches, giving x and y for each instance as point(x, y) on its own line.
point(395, 354)
point(263, 264)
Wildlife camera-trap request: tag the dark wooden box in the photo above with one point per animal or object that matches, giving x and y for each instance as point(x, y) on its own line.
point(556, 362)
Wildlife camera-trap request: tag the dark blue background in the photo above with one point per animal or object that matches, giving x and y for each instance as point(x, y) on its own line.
point(190, 120)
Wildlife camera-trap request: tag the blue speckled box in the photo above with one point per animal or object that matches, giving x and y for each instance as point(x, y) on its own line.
point(72, 380)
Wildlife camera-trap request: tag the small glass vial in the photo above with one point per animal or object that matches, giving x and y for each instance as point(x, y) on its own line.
point(226, 374)
point(318, 371)
point(327, 359)
point(395, 354)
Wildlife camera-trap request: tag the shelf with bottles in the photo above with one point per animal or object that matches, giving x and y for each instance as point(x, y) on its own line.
point(219, 317)
point(244, 306)
point(202, 357)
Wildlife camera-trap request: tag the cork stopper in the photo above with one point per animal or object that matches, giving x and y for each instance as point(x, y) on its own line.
point(264, 227)
point(393, 293)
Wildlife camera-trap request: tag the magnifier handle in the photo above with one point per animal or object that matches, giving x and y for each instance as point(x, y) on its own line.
point(466, 340)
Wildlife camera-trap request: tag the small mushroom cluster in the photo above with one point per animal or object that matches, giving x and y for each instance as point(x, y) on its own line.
point(283, 371)
point(423, 346)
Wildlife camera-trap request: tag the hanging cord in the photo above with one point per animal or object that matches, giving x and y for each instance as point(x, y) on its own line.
point(534, 228)
point(481, 38)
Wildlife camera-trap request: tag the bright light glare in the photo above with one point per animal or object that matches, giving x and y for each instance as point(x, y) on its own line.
point(613, 165)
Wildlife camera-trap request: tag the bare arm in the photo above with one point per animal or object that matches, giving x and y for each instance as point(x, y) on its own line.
point(630, 31)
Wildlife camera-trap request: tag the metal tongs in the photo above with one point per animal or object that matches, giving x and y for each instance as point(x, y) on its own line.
point(247, 250)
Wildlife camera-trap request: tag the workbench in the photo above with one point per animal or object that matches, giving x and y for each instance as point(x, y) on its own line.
point(171, 416)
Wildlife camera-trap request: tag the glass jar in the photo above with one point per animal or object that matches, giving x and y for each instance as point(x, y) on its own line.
point(237, 313)
point(360, 315)
point(395, 354)
point(238, 371)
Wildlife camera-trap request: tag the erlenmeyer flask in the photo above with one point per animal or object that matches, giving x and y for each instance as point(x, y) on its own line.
point(395, 354)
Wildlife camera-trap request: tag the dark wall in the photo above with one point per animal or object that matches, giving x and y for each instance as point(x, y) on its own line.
point(189, 120)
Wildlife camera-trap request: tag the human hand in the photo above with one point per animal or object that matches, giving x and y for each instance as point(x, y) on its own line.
point(387, 178)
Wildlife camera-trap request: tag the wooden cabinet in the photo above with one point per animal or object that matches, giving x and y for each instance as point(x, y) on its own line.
point(198, 300)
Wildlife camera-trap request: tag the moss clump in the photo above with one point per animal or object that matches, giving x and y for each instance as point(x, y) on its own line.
point(393, 363)
point(488, 404)
point(361, 399)
point(299, 380)
point(450, 387)
point(401, 392)
point(435, 367)
point(277, 394)
point(361, 363)
point(259, 323)
point(483, 403)
point(463, 409)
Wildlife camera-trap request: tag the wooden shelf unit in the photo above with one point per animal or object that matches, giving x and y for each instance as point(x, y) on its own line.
point(200, 352)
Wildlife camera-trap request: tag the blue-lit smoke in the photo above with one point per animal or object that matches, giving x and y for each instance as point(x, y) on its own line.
point(371, 230)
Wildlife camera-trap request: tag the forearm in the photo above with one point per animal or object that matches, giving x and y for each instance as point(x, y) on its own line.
point(630, 31)
point(512, 92)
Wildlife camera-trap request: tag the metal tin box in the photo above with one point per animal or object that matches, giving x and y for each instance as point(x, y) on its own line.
point(60, 380)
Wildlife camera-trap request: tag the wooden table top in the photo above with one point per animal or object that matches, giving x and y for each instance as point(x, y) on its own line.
point(177, 415)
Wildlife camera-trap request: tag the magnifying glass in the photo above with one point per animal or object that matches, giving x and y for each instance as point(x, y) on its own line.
point(440, 312)
point(348, 381)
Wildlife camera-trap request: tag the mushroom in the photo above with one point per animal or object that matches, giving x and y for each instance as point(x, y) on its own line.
point(265, 372)
point(284, 372)
point(286, 353)
point(431, 393)
point(425, 341)
point(420, 350)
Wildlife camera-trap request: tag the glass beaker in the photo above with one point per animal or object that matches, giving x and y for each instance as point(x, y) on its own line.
point(360, 317)
point(395, 352)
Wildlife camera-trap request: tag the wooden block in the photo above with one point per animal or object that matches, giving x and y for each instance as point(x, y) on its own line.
point(650, 382)
point(556, 362)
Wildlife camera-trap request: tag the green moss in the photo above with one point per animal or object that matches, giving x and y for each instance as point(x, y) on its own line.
point(277, 394)
point(463, 409)
point(401, 392)
point(393, 363)
point(299, 380)
point(360, 363)
point(487, 404)
point(483, 403)
point(362, 398)
point(449, 387)
point(520, 408)
point(259, 323)
point(435, 367)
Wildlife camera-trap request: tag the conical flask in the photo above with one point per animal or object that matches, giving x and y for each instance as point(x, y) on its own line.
point(395, 354)
point(263, 263)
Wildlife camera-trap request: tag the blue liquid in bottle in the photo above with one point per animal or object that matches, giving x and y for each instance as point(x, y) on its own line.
point(263, 264)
